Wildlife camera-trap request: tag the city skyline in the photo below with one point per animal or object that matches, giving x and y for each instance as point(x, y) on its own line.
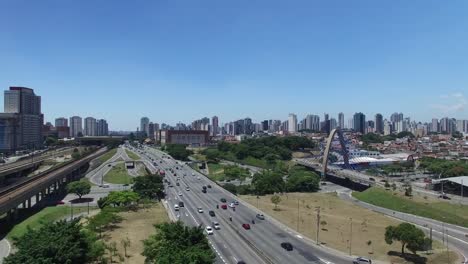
point(350, 57)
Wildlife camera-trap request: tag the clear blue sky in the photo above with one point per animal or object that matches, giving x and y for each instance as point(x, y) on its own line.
point(181, 60)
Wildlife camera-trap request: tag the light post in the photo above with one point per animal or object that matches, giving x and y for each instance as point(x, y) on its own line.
point(350, 235)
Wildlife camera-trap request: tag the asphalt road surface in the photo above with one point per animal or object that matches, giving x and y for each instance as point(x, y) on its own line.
point(233, 242)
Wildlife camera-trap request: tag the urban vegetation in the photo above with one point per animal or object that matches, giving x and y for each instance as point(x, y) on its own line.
point(118, 175)
point(177, 151)
point(444, 168)
point(150, 187)
point(79, 188)
point(176, 243)
point(132, 155)
point(109, 154)
point(409, 236)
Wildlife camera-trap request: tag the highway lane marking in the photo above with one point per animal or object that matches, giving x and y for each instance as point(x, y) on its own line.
point(216, 250)
point(325, 261)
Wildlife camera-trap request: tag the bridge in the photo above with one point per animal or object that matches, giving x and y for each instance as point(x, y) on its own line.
point(41, 185)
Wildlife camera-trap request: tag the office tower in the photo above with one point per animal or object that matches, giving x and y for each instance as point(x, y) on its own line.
point(341, 120)
point(325, 116)
point(292, 123)
point(435, 125)
point(351, 123)
point(379, 124)
point(102, 127)
point(21, 123)
point(284, 126)
point(359, 123)
point(447, 125)
point(76, 126)
point(61, 122)
point(265, 125)
point(215, 125)
point(370, 126)
point(151, 130)
point(90, 126)
point(387, 127)
point(333, 123)
point(144, 126)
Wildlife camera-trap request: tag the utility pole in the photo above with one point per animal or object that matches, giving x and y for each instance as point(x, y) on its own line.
point(350, 235)
point(430, 237)
point(448, 254)
point(297, 228)
point(318, 224)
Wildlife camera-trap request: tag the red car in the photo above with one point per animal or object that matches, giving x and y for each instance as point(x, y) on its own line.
point(246, 226)
point(224, 206)
point(60, 202)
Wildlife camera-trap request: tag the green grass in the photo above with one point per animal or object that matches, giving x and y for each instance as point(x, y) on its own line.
point(118, 175)
point(199, 157)
point(442, 211)
point(132, 155)
point(216, 171)
point(142, 171)
point(46, 215)
point(88, 181)
point(109, 154)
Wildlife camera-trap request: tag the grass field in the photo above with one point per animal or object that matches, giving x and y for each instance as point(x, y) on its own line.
point(431, 208)
point(132, 155)
point(46, 215)
point(216, 171)
point(107, 155)
point(336, 217)
point(118, 175)
point(137, 226)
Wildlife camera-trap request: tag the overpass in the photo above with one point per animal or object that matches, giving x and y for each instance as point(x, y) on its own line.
point(41, 185)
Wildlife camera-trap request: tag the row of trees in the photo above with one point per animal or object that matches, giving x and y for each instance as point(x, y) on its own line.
point(298, 179)
point(446, 168)
point(177, 151)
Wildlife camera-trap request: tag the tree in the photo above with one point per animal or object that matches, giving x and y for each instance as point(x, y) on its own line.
point(394, 187)
point(230, 188)
point(150, 186)
point(178, 151)
point(55, 243)
point(102, 220)
point(408, 235)
point(79, 188)
point(302, 180)
point(176, 243)
point(76, 154)
point(409, 191)
point(275, 199)
point(369, 243)
point(267, 182)
point(122, 198)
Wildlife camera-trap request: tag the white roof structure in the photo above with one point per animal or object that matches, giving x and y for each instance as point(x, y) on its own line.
point(462, 180)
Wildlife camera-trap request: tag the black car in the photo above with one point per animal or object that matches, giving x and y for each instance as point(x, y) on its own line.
point(287, 246)
point(177, 183)
point(209, 186)
point(241, 262)
point(181, 204)
point(203, 191)
point(223, 200)
point(211, 213)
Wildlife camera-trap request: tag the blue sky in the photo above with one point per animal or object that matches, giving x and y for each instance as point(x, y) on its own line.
point(182, 60)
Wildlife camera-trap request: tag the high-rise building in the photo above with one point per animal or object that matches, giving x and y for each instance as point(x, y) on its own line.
point(21, 124)
point(446, 125)
point(333, 123)
point(435, 125)
point(265, 125)
point(102, 127)
point(379, 124)
point(90, 127)
point(151, 130)
point(61, 122)
point(359, 123)
point(341, 120)
point(387, 127)
point(144, 125)
point(351, 123)
point(76, 126)
point(370, 126)
point(215, 125)
point(292, 123)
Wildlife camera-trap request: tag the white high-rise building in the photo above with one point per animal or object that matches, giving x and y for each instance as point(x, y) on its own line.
point(292, 123)
point(144, 125)
point(76, 126)
point(387, 127)
point(90, 127)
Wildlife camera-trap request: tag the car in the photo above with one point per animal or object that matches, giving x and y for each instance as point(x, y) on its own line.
point(241, 262)
point(109, 165)
point(187, 189)
point(444, 196)
point(175, 174)
point(216, 225)
point(287, 246)
point(372, 179)
point(204, 187)
point(223, 200)
point(236, 202)
point(361, 260)
point(209, 230)
point(176, 207)
point(246, 226)
point(126, 184)
point(105, 186)
point(211, 213)
point(260, 216)
point(209, 186)
point(200, 210)
point(198, 178)
point(232, 205)
point(193, 174)
point(181, 204)
point(177, 184)
point(224, 206)
point(203, 191)
point(60, 202)
point(180, 194)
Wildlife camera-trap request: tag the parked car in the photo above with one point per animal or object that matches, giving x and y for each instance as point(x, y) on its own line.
point(246, 226)
point(361, 260)
point(209, 186)
point(287, 246)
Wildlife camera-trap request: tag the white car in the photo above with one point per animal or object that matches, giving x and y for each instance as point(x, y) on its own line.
point(232, 205)
point(361, 260)
point(176, 207)
point(209, 230)
point(216, 225)
point(200, 210)
point(193, 174)
point(187, 189)
point(180, 194)
point(198, 178)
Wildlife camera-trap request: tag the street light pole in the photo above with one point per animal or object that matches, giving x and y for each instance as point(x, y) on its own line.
point(350, 235)
point(318, 224)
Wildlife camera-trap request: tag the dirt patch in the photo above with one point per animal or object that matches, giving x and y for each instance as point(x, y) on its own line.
point(136, 226)
point(337, 218)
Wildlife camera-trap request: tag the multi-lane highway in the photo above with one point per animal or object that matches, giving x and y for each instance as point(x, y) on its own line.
point(260, 244)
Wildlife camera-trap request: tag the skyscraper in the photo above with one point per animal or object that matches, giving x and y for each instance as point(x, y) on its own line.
point(21, 124)
point(90, 126)
point(341, 120)
point(359, 123)
point(379, 124)
point(292, 123)
point(76, 126)
point(144, 125)
point(102, 127)
point(61, 122)
point(435, 125)
point(215, 125)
